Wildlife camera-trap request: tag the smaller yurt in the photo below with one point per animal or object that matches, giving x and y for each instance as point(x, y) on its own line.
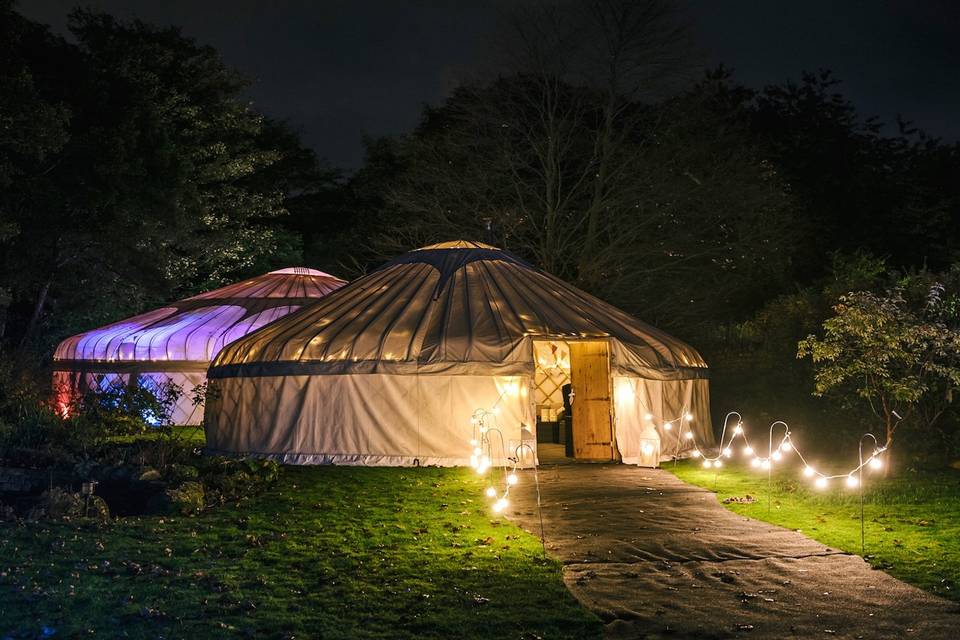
point(177, 342)
point(394, 369)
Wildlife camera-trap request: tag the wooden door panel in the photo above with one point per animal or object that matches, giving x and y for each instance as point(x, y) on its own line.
point(590, 377)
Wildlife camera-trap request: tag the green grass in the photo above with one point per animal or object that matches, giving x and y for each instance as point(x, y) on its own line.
point(191, 435)
point(327, 552)
point(912, 522)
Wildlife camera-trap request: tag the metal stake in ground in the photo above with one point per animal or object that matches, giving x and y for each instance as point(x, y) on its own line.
point(860, 485)
point(786, 434)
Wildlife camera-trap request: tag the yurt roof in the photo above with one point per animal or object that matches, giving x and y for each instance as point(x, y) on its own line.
point(456, 307)
point(190, 332)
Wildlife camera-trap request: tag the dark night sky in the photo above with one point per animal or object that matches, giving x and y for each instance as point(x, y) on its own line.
point(339, 70)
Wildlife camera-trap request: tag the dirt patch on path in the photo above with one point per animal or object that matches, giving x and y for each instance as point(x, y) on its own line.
point(655, 557)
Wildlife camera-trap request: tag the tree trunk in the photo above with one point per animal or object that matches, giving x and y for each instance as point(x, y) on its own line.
point(37, 312)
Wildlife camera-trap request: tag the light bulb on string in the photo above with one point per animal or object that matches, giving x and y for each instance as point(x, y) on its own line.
point(820, 483)
point(695, 453)
point(648, 416)
point(473, 442)
point(688, 417)
point(689, 436)
point(718, 463)
point(737, 430)
point(668, 426)
point(500, 505)
point(491, 492)
point(776, 455)
point(477, 451)
point(808, 472)
point(728, 452)
point(785, 446)
point(852, 481)
point(748, 451)
point(512, 479)
point(875, 463)
point(755, 462)
point(765, 464)
point(707, 464)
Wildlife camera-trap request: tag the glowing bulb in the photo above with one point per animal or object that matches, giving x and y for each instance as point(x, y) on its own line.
point(808, 471)
point(483, 429)
point(718, 463)
point(668, 426)
point(496, 411)
point(776, 455)
point(748, 451)
point(477, 451)
point(474, 462)
point(695, 453)
point(785, 446)
point(648, 416)
point(852, 481)
point(485, 461)
point(647, 449)
point(728, 452)
point(875, 463)
point(491, 492)
point(473, 442)
point(689, 436)
point(820, 482)
point(500, 505)
point(765, 464)
point(737, 430)
point(755, 462)
point(688, 417)
point(707, 464)
point(512, 479)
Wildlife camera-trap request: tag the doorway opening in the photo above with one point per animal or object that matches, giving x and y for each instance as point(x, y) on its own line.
point(574, 401)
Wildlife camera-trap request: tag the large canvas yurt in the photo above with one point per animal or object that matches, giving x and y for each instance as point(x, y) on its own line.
point(390, 369)
point(177, 342)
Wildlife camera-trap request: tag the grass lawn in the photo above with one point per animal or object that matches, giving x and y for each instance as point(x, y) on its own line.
point(327, 552)
point(912, 522)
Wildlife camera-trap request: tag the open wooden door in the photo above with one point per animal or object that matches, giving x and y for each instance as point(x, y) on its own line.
point(590, 378)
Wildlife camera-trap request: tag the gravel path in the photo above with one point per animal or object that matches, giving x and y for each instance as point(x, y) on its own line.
point(655, 557)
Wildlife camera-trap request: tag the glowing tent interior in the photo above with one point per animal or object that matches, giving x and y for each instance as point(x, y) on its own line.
point(177, 342)
point(389, 369)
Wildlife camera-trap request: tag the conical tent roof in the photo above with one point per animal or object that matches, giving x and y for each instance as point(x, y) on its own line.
point(455, 307)
point(189, 333)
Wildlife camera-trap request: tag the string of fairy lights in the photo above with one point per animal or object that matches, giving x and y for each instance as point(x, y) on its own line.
point(490, 452)
point(775, 452)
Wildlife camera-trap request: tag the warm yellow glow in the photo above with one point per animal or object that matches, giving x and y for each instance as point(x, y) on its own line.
point(688, 436)
point(477, 451)
point(808, 471)
point(820, 483)
point(500, 505)
point(765, 464)
point(695, 453)
point(737, 430)
point(668, 426)
point(776, 455)
point(785, 446)
point(852, 481)
point(647, 449)
point(689, 417)
point(748, 451)
point(512, 479)
point(755, 462)
point(648, 416)
point(491, 492)
point(875, 463)
point(707, 464)
point(718, 463)
point(728, 452)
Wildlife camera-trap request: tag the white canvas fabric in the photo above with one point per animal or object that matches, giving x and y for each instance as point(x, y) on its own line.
point(391, 367)
point(176, 343)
